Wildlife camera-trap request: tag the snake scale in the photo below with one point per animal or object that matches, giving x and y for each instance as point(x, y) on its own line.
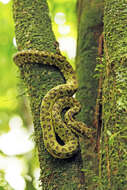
point(54, 102)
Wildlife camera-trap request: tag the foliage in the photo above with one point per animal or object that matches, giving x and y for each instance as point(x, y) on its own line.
point(3, 183)
point(8, 102)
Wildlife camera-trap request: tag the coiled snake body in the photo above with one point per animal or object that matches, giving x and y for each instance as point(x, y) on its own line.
point(53, 104)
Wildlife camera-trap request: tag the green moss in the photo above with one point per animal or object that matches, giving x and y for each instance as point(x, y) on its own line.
point(33, 25)
point(90, 28)
point(33, 31)
point(114, 133)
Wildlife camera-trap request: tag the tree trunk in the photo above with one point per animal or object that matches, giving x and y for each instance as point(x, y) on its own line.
point(90, 27)
point(113, 160)
point(33, 31)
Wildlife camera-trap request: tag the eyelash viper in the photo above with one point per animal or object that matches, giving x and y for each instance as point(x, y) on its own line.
point(53, 103)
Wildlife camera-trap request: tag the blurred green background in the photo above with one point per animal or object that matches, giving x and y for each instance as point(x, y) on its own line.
point(19, 167)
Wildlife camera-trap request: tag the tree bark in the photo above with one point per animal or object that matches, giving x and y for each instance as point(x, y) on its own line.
point(90, 27)
point(33, 31)
point(113, 161)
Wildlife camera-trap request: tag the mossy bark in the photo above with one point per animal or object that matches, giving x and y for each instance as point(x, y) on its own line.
point(113, 163)
point(33, 31)
point(90, 27)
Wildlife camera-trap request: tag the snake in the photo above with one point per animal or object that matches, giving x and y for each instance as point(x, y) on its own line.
point(57, 100)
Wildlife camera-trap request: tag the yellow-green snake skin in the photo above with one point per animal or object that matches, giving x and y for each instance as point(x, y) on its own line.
point(54, 102)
